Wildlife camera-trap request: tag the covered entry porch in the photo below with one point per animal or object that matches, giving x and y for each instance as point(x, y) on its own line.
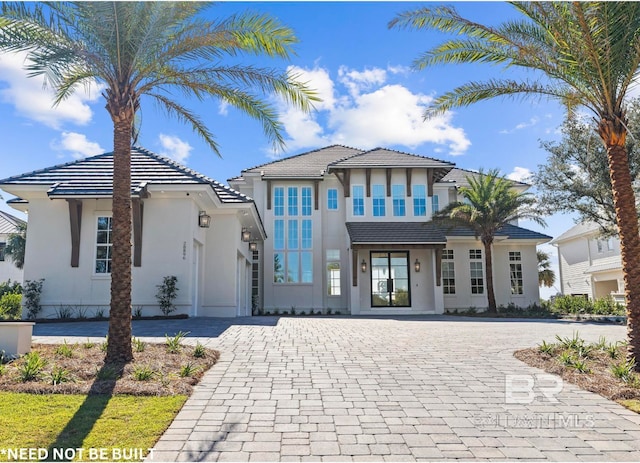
point(395, 268)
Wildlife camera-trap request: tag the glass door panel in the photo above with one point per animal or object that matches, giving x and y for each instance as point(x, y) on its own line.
point(390, 279)
point(379, 279)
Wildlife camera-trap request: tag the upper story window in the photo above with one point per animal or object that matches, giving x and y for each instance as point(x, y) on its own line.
point(398, 196)
point(379, 201)
point(357, 192)
point(419, 200)
point(435, 204)
point(332, 199)
point(278, 201)
point(292, 201)
point(103, 245)
point(306, 200)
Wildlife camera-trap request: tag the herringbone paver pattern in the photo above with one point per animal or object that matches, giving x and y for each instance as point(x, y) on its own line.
point(351, 389)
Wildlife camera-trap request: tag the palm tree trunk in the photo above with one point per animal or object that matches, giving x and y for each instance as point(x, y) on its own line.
point(488, 270)
point(119, 342)
point(614, 135)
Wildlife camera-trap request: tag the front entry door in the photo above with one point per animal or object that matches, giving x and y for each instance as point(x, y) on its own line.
point(390, 279)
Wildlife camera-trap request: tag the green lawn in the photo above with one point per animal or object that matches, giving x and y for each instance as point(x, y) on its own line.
point(56, 421)
point(633, 404)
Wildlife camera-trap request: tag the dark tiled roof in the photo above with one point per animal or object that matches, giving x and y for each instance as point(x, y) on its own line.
point(9, 223)
point(459, 177)
point(395, 232)
point(509, 231)
point(92, 177)
point(312, 164)
point(386, 158)
point(424, 233)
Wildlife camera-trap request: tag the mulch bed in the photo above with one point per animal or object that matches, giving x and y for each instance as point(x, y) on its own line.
point(599, 380)
point(88, 375)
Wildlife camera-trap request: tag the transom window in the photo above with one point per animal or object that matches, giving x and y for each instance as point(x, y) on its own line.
point(398, 195)
point(419, 200)
point(379, 201)
point(103, 245)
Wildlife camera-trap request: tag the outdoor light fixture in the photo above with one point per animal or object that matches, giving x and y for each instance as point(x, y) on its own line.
point(253, 246)
point(204, 220)
point(363, 266)
point(246, 234)
point(416, 265)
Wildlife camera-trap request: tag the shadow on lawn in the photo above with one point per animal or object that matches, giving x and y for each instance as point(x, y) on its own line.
point(85, 418)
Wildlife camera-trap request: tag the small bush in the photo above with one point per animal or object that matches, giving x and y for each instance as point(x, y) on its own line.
point(624, 371)
point(607, 306)
point(137, 312)
point(3, 369)
point(59, 375)
point(103, 346)
point(30, 369)
point(31, 293)
point(10, 306)
point(199, 351)
point(581, 366)
point(566, 358)
point(571, 305)
point(571, 343)
point(546, 348)
point(143, 373)
point(99, 313)
point(81, 312)
point(138, 344)
point(64, 312)
point(167, 293)
point(88, 344)
point(64, 350)
point(6, 287)
point(174, 344)
point(188, 370)
point(612, 350)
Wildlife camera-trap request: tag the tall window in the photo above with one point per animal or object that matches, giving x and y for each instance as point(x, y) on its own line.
point(2, 246)
point(332, 199)
point(306, 200)
point(379, 201)
point(515, 272)
point(419, 200)
point(435, 204)
point(357, 192)
point(278, 201)
point(397, 193)
point(448, 272)
point(333, 272)
point(293, 236)
point(475, 271)
point(103, 246)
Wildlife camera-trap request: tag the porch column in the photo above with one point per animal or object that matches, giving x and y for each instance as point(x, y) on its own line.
point(75, 222)
point(438, 294)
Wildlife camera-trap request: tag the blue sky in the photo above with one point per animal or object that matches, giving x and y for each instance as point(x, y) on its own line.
point(361, 70)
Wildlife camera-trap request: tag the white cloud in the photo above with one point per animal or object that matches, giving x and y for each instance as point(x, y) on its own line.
point(174, 148)
point(33, 101)
point(368, 113)
point(223, 108)
point(523, 125)
point(520, 174)
point(77, 145)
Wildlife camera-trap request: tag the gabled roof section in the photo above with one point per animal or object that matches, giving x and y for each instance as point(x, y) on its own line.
point(312, 164)
point(92, 177)
point(387, 158)
point(9, 223)
point(459, 177)
point(578, 230)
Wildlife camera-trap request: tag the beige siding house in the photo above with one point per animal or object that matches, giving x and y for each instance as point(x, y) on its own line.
point(351, 230)
point(589, 264)
point(8, 270)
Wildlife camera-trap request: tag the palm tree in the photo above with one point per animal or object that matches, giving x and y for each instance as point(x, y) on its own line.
point(546, 276)
point(155, 50)
point(489, 203)
point(16, 243)
point(585, 54)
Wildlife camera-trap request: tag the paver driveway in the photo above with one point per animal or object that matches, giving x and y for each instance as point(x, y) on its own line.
point(389, 389)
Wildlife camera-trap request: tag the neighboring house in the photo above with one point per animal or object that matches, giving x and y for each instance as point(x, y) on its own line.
point(8, 270)
point(69, 239)
point(590, 265)
point(351, 230)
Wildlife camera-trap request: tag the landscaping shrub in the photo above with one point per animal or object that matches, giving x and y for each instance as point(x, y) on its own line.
point(31, 293)
point(167, 293)
point(8, 287)
point(10, 306)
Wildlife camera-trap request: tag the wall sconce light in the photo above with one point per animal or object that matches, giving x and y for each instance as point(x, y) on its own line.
point(416, 265)
point(363, 266)
point(246, 235)
point(204, 220)
point(253, 246)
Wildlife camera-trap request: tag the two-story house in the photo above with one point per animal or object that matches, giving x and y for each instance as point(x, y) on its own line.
point(8, 224)
point(351, 230)
point(589, 264)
